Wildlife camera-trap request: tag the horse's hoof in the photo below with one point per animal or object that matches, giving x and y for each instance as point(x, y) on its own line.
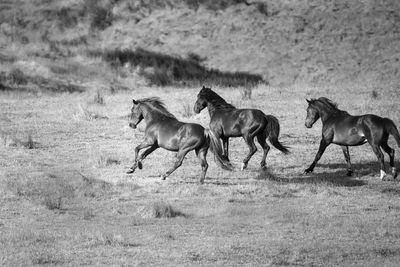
point(130, 171)
point(307, 171)
point(263, 167)
point(225, 158)
point(163, 177)
point(243, 166)
point(201, 181)
point(383, 174)
point(349, 173)
point(140, 165)
point(394, 173)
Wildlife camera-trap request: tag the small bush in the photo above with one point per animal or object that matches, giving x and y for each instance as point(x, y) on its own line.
point(374, 94)
point(162, 210)
point(101, 17)
point(88, 214)
point(52, 202)
point(17, 77)
point(67, 18)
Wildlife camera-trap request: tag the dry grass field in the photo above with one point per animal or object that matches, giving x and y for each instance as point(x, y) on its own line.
point(68, 73)
point(66, 200)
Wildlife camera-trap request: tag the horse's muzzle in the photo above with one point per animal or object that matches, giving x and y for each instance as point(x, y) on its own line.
point(132, 125)
point(196, 110)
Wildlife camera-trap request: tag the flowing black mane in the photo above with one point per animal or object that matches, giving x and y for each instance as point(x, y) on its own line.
point(213, 98)
point(156, 104)
point(326, 104)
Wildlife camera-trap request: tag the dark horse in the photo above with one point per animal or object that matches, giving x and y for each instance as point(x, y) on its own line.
point(227, 121)
point(164, 130)
point(340, 128)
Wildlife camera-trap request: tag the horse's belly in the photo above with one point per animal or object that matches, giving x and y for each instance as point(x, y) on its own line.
point(169, 143)
point(352, 138)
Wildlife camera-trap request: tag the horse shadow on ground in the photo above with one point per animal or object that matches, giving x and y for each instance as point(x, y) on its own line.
point(336, 178)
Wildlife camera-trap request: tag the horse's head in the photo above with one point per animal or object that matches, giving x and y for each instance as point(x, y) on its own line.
point(136, 114)
point(201, 101)
point(312, 113)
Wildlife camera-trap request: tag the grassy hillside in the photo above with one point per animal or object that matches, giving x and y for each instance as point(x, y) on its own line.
point(285, 42)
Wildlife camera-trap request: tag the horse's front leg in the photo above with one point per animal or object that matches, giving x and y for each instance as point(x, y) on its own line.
point(347, 158)
point(144, 144)
point(322, 146)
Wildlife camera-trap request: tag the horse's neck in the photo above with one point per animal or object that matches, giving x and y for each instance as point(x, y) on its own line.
point(327, 114)
point(211, 109)
point(151, 116)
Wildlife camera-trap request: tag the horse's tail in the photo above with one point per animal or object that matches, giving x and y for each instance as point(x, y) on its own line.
point(392, 129)
point(216, 148)
point(272, 132)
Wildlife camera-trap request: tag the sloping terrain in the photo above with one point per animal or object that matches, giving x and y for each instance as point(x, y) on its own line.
point(285, 41)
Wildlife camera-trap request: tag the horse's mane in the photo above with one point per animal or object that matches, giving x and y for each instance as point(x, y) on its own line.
point(156, 104)
point(215, 99)
point(327, 104)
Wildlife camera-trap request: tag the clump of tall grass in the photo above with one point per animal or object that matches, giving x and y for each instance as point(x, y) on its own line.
point(187, 110)
point(212, 4)
point(101, 16)
point(13, 141)
point(98, 98)
point(160, 210)
point(85, 114)
point(246, 93)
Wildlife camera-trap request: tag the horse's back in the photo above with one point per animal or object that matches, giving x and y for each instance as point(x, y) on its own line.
point(235, 122)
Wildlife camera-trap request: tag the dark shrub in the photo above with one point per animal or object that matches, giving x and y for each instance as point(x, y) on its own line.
point(16, 76)
point(168, 70)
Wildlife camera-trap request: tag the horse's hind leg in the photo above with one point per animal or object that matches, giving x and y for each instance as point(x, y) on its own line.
point(381, 159)
point(390, 152)
point(250, 143)
point(261, 139)
point(202, 155)
point(347, 158)
point(180, 156)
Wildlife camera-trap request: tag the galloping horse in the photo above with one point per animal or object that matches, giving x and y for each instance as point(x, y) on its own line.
point(227, 121)
point(341, 128)
point(164, 130)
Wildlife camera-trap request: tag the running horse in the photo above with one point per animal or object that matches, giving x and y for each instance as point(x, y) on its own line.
point(341, 128)
point(164, 130)
point(227, 121)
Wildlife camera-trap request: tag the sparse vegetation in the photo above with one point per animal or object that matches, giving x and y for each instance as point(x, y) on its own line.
point(162, 210)
point(65, 197)
point(187, 110)
point(246, 93)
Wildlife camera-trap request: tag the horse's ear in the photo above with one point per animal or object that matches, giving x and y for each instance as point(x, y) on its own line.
point(135, 102)
point(203, 87)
